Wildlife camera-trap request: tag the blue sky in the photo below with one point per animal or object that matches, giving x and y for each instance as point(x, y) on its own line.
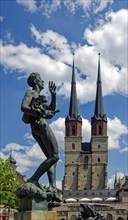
point(41, 36)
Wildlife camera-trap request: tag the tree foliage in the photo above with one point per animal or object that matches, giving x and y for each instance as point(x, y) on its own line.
point(8, 185)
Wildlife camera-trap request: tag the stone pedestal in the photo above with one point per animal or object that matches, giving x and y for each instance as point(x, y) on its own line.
point(36, 215)
point(33, 204)
point(36, 203)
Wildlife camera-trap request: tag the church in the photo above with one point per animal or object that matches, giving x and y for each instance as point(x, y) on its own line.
point(86, 164)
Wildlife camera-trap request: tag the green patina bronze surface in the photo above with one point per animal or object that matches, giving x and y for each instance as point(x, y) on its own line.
point(36, 112)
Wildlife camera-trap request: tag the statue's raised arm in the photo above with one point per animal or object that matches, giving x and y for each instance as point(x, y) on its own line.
point(36, 105)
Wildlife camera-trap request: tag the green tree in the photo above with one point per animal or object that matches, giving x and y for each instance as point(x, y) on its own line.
point(8, 185)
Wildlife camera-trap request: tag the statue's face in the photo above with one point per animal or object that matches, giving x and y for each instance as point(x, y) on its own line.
point(40, 82)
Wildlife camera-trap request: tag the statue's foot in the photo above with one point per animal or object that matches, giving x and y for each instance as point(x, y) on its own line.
point(57, 197)
point(34, 182)
point(52, 191)
point(43, 187)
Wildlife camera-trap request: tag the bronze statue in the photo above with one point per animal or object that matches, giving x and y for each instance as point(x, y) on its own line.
point(36, 112)
point(88, 213)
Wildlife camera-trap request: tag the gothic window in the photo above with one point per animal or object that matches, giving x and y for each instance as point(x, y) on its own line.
point(98, 159)
point(100, 129)
point(73, 146)
point(73, 130)
point(109, 217)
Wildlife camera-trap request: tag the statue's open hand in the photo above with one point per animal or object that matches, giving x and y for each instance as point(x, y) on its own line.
point(52, 87)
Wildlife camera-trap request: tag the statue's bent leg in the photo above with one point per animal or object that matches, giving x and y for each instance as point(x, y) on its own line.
point(52, 177)
point(45, 166)
point(52, 171)
point(48, 144)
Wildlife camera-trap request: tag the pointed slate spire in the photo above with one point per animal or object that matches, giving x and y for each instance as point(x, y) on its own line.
point(115, 182)
point(73, 109)
point(99, 110)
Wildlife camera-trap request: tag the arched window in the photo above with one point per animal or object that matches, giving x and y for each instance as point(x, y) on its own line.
point(100, 129)
point(98, 159)
point(73, 130)
point(109, 217)
point(120, 218)
point(99, 146)
point(73, 146)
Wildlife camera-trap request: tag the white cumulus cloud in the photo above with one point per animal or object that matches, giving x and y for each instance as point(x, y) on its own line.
point(28, 59)
point(26, 157)
point(125, 149)
point(30, 5)
point(54, 58)
point(94, 6)
point(13, 147)
point(115, 134)
point(86, 130)
point(111, 37)
point(58, 127)
point(59, 184)
point(48, 7)
point(54, 43)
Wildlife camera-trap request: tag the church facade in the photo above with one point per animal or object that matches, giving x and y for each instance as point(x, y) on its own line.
point(86, 163)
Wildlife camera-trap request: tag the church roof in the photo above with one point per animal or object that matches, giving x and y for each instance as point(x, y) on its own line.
point(99, 109)
point(73, 109)
point(11, 160)
point(92, 193)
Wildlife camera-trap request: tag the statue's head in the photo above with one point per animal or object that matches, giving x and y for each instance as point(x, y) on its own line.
point(34, 78)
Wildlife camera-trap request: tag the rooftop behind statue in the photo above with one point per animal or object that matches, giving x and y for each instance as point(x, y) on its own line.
point(36, 111)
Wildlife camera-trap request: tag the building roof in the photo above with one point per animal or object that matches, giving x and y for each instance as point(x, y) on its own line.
point(73, 109)
point(99, 109)
point(90, 193)
point(11, 160)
